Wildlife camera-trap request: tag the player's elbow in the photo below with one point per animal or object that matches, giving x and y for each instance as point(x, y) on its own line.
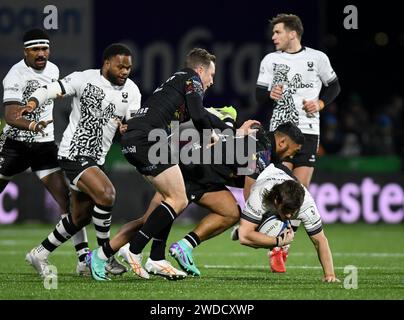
point(244, 238)
point(319, 240)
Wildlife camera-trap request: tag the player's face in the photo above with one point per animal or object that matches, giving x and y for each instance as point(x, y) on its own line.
point(281, 37)
point(36, 57)
point(207, 75)
point(286, 215)
point(286, 147)
point(118, 69)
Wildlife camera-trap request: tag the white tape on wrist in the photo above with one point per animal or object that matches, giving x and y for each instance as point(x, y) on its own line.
point(52, 91)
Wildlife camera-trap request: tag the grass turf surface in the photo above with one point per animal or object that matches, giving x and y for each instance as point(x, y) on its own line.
point(229, 270)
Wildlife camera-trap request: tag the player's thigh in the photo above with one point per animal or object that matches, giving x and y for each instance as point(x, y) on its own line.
point(170, 184)
point(248, 183)
point(221, 202)
point(55, 183)
point(85, 175)
point(304, 175)
point(95, 183)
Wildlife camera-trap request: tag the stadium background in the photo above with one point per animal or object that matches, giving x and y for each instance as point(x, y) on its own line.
point(359, 175)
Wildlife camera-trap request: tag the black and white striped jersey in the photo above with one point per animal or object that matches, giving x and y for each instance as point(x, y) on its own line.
point(97, 108)
point(302, 75)
point(20, 82)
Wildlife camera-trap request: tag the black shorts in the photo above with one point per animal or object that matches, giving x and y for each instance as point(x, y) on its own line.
point(136, 147)
point(196, 190)
point(74, 169)
point(17, 156)
point(306, 157)
point(201, 179)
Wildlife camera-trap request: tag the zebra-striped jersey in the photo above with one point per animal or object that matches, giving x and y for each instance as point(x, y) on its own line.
point(302, 75)
point(272, 175)
point(97, 108)
point(20, 82)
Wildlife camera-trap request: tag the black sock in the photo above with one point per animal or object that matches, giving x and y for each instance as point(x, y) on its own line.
point(193, 239)
point(106, 248)
point(82, 250)
point(158, 247)
point(158, 220)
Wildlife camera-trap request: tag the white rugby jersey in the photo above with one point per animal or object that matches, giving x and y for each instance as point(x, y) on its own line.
point(302, 75)
point(97, 105)
point(254, 210)
point(20, 82)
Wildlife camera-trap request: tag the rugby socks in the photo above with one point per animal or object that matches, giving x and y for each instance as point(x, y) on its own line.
point(80, 242)
point(162, 217)
point(192, 239)
point(102, 223)
point(159, 244)
point(105, 251)
point(64, 230)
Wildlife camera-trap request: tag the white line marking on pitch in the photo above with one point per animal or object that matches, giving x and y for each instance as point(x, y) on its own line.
point(208, 266)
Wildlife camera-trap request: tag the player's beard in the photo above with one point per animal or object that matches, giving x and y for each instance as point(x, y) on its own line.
point(114, 79)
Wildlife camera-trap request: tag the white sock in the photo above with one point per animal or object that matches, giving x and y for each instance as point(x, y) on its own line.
point(101, 254)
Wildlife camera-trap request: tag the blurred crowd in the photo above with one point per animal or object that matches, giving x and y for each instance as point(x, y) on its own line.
point(349, 128)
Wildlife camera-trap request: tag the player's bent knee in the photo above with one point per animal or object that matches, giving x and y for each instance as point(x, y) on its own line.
point(106, 197)
point(178, 204)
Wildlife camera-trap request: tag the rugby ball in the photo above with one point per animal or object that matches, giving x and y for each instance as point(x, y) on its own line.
point(273, 226)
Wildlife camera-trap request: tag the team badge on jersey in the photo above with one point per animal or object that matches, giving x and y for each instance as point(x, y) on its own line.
point(125, 97)
point(310, 65)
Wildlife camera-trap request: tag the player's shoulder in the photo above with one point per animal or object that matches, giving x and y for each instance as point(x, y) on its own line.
point(131, 85)
point(316, 53)
point(16, 70)
point(88, 74)
point(51, 66)
point(271, 56)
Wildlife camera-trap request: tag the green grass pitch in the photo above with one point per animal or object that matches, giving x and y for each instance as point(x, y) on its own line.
point(229, 270)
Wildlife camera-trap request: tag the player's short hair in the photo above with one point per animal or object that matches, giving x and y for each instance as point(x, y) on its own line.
point(292, 131)
point(115, 49)
point(199, 56)
point(289, 196)
point(290, 21)
point(35, 37)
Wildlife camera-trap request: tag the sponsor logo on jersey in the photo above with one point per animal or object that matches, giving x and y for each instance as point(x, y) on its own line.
point(131, 149)
point(301, 85)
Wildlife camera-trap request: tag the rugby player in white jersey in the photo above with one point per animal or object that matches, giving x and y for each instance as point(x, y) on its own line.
point(102, 99)
point(299, 82)
point(28, 142)
point(276, 192)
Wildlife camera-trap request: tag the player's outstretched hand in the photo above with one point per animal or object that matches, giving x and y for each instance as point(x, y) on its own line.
point(331, 278)
point(248, 128)
point(276, 92)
